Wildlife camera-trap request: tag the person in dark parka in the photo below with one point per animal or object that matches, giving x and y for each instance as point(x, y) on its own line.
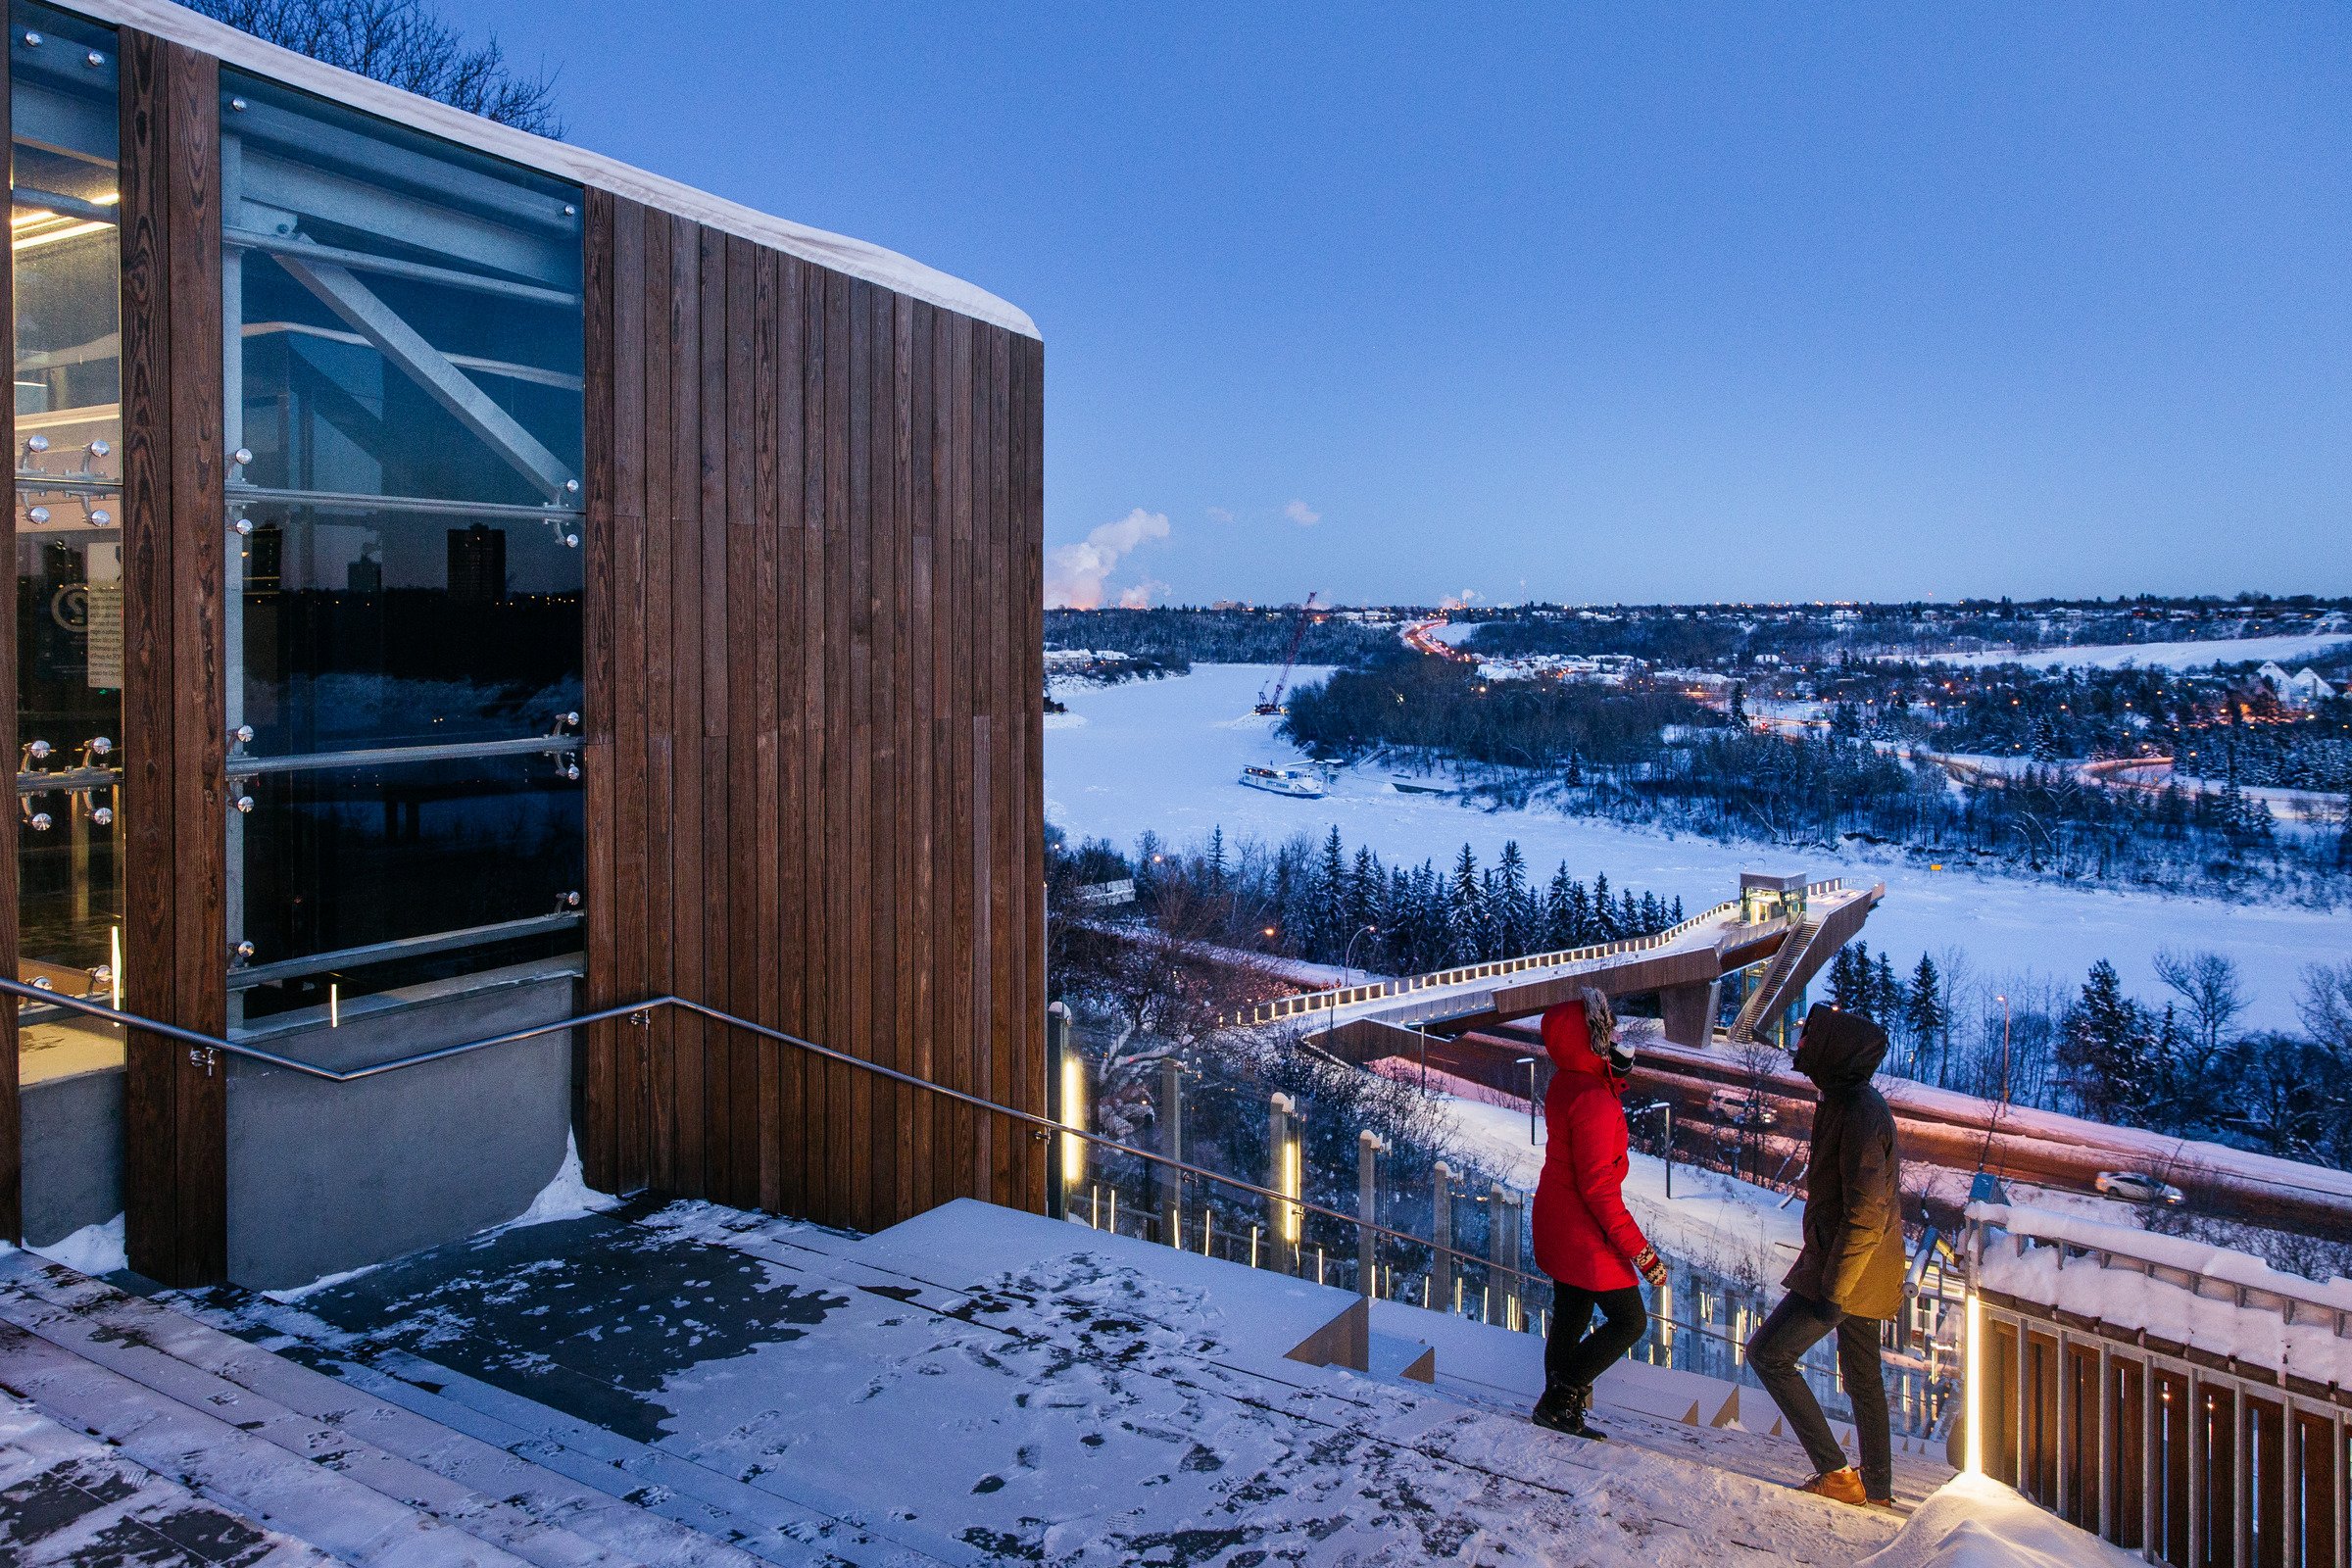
point(1850, 1276)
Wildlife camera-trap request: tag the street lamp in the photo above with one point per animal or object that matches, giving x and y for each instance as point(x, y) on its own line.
point(1347, 963)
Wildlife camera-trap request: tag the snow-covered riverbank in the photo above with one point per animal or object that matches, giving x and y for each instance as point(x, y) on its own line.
point(1164, 755)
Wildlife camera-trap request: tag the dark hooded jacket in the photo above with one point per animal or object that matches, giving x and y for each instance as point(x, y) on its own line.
point(1853, 1253)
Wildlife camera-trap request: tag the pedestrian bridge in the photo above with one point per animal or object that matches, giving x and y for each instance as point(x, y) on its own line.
point(1684, 965)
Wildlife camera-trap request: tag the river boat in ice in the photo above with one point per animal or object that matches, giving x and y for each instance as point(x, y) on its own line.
point(1277, 780)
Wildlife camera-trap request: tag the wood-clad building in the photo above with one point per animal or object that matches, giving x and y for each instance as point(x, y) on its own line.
point(464, 582)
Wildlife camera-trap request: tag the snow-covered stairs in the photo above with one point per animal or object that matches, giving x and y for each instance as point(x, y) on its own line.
point(304, 1455)
point(695, 1386)
point(68, 1498)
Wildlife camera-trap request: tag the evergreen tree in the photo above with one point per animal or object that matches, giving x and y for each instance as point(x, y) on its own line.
point(1849, 979)
point(1925, 1016)
point(1465, 912)
point(1739, 713)
point(1216, 860)
point(1512, 911)
point(1885, 993)
point(1365, 884)
point(1629, 914)
point(1331, 929)
point(1604, 915)
point(1578, 928)
point(1559, 926)
point(2106, 1042)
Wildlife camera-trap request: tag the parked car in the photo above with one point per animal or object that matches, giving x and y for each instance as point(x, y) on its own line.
point(2137, 1187)
point(1741, 1110)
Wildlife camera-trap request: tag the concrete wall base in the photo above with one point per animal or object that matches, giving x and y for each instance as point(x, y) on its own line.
point(325, 1177)
point(73, 1162)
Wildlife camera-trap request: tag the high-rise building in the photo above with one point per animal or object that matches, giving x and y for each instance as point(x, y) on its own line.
point(477, 565)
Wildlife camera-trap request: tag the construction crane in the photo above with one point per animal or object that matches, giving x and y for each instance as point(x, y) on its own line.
point(1269, 699)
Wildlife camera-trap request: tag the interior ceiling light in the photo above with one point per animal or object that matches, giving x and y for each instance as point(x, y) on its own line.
point(72, 230)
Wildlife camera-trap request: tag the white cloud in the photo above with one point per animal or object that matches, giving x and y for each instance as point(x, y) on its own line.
point(1139, 596)
point(1304, 516)
point(1075, 573)
point(1220, 514)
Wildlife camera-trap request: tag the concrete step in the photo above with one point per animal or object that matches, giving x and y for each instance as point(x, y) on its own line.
point(312, 1502)
point(451, 1481)
point(66, 1499)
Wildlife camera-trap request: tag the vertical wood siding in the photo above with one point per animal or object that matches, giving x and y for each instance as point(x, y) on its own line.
point(175, 716)
point(814, 781)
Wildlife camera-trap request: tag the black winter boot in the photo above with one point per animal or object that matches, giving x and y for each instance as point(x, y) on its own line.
point(1563, 1409)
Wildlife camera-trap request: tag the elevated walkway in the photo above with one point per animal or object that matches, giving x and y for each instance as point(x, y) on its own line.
point(694, 1385)
point(1693, 954)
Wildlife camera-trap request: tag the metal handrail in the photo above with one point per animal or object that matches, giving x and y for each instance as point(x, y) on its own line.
point(641, 1012)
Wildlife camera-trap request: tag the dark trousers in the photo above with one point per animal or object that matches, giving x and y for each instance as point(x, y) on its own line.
point(1794, 1327)
point(1574, 1357)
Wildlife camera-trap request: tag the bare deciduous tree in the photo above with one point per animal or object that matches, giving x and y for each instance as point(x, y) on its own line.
point(2325, 1004)
point(402, 43)
point(2209, 985)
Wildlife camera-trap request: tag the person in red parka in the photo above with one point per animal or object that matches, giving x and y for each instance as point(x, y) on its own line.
point(1584, 1239)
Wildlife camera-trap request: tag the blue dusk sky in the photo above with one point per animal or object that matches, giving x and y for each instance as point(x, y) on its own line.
point(1588, 302)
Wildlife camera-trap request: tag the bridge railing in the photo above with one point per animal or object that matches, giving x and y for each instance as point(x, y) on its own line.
point(1329, 1001)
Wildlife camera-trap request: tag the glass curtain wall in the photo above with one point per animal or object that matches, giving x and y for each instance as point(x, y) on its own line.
point(66, 265)
point(405, 515)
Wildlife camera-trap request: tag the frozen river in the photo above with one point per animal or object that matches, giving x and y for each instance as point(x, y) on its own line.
point(1164, 755)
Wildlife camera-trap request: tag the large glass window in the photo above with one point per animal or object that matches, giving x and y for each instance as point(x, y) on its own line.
point(405, 517)
point(69, 536)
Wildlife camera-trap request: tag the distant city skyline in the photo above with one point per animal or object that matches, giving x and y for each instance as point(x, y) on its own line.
point(1636, 304)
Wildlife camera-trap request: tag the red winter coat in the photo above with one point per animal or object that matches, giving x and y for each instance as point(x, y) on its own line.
point(1584, 1236)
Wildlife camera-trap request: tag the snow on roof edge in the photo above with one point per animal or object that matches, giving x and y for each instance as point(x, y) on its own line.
point(858, 257)
point(2208, 1258)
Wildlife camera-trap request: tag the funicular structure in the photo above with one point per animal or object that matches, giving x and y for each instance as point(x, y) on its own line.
point(462, 582)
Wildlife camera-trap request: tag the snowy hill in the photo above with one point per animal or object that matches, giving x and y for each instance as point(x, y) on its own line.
point(1164, 755)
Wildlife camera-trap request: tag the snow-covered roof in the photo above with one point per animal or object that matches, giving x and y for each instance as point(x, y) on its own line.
point(854, 257)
